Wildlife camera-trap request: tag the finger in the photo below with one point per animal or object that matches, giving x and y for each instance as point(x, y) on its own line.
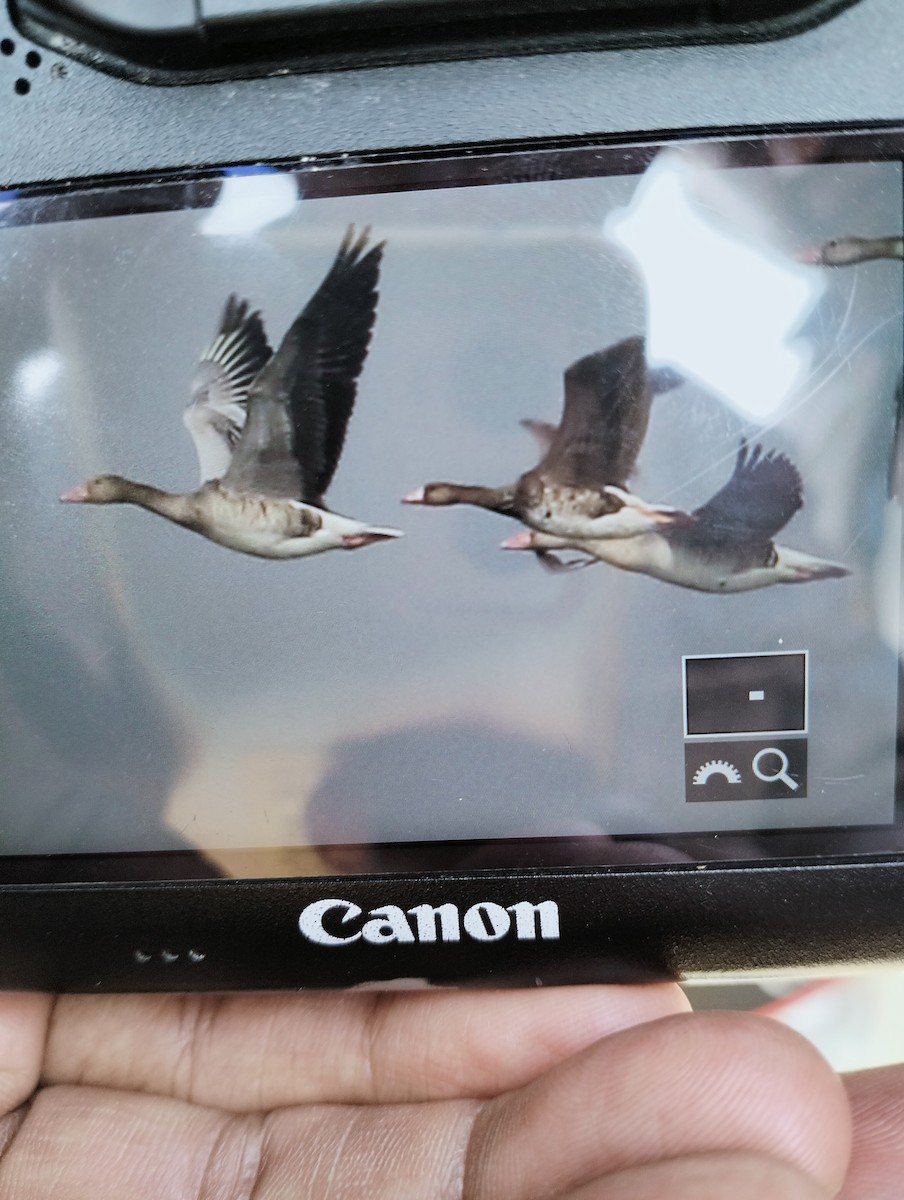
point(92, 1144)
point(95, 1144)
point(103, 1145)
point(262, 1052)
point(23, 1029)
point(682, 1086)
point(86, 1144)
point(877, 1160)
point(9, 1127)
point(706, 1177)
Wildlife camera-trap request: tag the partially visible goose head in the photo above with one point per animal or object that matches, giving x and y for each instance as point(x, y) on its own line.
point(104, 489)
point(848, 250)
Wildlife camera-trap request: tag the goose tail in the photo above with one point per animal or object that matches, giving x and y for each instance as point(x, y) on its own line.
point(797, 567)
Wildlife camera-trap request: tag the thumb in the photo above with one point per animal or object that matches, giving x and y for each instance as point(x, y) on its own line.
point(24, 1018)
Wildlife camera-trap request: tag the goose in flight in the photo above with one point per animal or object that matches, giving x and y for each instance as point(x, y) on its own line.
point(580, 487)
point(727, 545)
point(269, 500)
point(845, 251)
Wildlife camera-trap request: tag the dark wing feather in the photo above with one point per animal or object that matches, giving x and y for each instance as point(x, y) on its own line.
point(216, 414)
point(605, 418)
point(760, 498)
point(299, 406)
point(543, 431)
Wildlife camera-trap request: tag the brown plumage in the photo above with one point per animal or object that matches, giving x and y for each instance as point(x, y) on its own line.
point(579, 487)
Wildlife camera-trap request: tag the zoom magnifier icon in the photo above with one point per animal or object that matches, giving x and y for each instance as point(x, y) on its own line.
point(778, 758)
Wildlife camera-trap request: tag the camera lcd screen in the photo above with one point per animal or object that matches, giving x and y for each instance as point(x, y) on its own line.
point(652, 617)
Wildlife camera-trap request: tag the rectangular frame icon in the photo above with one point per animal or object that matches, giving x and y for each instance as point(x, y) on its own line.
point(795, 730)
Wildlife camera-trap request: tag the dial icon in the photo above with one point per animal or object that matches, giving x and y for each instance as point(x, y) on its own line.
point(716, 766)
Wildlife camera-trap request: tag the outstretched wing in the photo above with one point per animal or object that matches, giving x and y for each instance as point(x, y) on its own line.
point(299, 406)
point(605, 418)
point(215, 416)
point(762, 495)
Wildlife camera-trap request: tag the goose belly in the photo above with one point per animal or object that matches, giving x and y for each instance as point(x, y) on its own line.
point(627, 522)
point(575, 513)
point(645, 554)
point(717, 576)
point(272, 543)
point(657, 556)
point(269, 529)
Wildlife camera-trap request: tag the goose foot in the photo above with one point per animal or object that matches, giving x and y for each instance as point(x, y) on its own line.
point(354, 541)
point(555, 565)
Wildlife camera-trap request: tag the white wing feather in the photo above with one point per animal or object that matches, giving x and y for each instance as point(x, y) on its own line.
point(215, 416)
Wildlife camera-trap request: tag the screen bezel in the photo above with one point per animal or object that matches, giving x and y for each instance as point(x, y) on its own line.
point(420, 170)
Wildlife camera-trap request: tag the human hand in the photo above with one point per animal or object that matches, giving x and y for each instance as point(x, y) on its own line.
point(592, 1093)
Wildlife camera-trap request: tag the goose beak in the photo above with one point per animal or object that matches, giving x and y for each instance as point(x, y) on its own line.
point(77, 495)
point(811, 255)
point(520, 541)
point(416, 497)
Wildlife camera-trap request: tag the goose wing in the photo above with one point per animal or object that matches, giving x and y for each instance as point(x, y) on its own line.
point(299, 405)
point(762, 495)
point(215, 414)
point(605, 417)
point(544, 432)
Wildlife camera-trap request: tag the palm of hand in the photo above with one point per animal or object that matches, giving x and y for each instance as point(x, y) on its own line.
point(578, 1093)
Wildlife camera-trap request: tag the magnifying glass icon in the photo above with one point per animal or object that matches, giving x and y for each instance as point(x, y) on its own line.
point(781, 775)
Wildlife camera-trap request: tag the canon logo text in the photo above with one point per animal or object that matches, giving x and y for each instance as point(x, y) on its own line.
point(340, 922)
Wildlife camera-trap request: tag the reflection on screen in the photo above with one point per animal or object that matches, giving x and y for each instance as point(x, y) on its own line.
point(644, 587)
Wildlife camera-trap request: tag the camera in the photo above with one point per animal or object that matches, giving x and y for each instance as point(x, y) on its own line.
point(450, 492)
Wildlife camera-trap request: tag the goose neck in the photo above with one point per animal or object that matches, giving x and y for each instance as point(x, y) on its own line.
point(173, 506)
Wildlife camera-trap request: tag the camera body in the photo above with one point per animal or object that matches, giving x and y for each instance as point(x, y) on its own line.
point(76, 122)
point(547, 910)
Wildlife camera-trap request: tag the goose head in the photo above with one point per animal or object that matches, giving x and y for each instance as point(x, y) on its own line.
point(104, 489)
point(845, 251)
point(839, 252)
